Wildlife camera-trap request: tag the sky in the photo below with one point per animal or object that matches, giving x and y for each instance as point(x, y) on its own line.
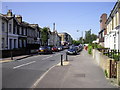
point(68, 16)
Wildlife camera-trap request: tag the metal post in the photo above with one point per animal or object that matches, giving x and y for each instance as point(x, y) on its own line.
point(11, 55)
point(61, 60)
point(108, 53)
point(66, 57)
point(118, 55)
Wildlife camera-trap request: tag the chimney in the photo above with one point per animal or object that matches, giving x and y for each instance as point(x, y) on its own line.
point(19, 18)
point(53, 27)
point(9, 13)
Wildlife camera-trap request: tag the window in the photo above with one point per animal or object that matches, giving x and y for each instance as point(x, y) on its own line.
point(14, 43)
point(20, 31)
point(20, 43)
point(10, 28)
point(24, 31)
point(3, 27)
point(114, 39)
point(10, 43)
point(114, 46)
point(2, 42)
point(15, 30)
point(24, 43)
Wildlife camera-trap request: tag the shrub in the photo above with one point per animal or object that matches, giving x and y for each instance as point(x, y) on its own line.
point(106, 74)
point(90, 49)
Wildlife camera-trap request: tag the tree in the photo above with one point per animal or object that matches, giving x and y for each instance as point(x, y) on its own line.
point(93, 37)
point(89, 38)
point(44, 36)
point(75, 42)
point(81, 40)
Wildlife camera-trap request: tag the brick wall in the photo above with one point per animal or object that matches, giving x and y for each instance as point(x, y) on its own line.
point(102, 60)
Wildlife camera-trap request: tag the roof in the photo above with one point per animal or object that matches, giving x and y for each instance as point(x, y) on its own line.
point(113, 11)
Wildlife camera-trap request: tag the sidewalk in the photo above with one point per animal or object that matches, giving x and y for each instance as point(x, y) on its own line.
point(81, 72)
point(14, 58)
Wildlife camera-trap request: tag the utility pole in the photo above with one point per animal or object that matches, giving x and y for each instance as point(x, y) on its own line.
point(78, 37)
point(53, 33)
point(82, 38)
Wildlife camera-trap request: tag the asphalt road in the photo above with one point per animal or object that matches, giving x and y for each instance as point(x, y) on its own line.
point(24, 73)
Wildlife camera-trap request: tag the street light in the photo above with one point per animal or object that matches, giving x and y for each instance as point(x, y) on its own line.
point(82, 36)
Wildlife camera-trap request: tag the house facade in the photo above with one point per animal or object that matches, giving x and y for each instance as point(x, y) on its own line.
point(16, 34)
point(66, 39)
point(112, 38)
point(3, 32)
point(54, 39)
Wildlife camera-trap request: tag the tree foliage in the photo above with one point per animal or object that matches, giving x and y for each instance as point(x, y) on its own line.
point(75, 42)
point(89, 38)
point(44, 36)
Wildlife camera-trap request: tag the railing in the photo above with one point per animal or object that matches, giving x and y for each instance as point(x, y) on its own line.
point(114, 54)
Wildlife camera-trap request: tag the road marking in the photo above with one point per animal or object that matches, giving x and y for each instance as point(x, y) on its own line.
point(50, 56)
point(57, 54)
point(47, 57)
point(24, 64)
point(41, 77)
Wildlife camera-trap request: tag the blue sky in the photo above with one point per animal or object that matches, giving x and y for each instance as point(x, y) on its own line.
point(68, 16)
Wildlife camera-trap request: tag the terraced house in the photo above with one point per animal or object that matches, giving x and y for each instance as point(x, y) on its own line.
point(18, 35)
point(112, 38)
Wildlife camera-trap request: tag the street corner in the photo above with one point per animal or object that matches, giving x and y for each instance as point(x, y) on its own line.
point(65, 63)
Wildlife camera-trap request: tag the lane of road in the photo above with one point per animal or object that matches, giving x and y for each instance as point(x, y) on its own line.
point(24, 73)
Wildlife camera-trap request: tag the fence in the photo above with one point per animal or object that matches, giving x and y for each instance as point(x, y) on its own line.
point(114, 54)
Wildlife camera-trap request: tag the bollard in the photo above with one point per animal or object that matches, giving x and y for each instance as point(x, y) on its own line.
point(66, 57)
point(11, 56)
point(61, 60)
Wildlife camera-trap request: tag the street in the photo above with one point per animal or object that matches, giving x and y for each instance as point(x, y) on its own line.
point(78, 73)
point(60, 45)
point(24, 73)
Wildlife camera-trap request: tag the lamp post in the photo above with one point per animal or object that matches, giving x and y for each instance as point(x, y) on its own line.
point(82, 36)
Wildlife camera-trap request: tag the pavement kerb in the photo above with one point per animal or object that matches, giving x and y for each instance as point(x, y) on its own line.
point(24, 57)
point(41, 77)
point(5, 61)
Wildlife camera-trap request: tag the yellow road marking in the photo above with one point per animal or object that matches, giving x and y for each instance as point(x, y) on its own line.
point(2, 61)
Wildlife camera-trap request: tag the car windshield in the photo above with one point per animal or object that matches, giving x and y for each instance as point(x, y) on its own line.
point(41, 48)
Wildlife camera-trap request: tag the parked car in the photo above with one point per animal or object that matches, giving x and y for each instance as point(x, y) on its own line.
point(44, 50)
point(65, 47)
point(60, 48)
point(54, 49)
point(73, 50)
point(81, 47)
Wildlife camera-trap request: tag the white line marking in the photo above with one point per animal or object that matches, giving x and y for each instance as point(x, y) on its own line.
point(41, 77)
point(24, 64)
point(57, 54)
point(50, 56)
point(47, 57)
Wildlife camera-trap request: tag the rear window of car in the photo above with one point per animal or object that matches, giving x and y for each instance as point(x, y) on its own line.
point(42, 48)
